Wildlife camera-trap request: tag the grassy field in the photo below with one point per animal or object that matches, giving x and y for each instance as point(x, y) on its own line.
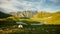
point(33, 29)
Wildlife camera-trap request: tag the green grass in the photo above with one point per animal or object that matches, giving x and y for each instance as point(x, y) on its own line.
point(38, 29)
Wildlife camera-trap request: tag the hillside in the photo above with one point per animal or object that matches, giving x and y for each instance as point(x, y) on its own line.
point(3, 15)
point(44, 17)
point(47, 18)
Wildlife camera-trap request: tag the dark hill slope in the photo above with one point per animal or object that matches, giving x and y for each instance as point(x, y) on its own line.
point(4, 15)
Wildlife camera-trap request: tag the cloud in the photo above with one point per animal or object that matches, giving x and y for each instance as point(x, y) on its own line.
point(55, 1)
point(20, 5)
point(8, 5)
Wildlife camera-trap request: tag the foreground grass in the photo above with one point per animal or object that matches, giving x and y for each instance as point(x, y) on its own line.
point(32, 30)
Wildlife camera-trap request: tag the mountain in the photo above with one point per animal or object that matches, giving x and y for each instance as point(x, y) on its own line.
point(4, 15)
point(47, 18)
point(27, 14)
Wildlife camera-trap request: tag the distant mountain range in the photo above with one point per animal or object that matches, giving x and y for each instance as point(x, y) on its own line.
point(28, 14)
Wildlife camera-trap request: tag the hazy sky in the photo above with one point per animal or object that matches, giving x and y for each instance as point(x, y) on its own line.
point(34, 5)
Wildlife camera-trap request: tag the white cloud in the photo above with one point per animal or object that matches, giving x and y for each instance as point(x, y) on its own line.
point(13, 4)
point(8, 5)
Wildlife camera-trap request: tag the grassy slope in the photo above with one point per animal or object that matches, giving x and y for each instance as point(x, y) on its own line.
point(47, 18)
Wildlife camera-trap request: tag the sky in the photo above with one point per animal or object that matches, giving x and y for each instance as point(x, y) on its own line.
point(33, 5)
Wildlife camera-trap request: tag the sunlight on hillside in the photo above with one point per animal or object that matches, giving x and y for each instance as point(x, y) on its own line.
point(47, 18)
